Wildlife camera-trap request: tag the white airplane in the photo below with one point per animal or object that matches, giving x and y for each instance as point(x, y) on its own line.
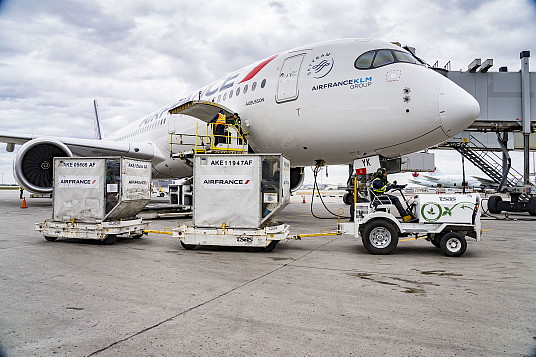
point(333, 101)
point(453, 181)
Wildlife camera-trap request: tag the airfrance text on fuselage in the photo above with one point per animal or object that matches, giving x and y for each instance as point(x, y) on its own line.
point(353, 83)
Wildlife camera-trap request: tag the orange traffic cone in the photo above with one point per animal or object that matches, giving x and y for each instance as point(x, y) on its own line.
point(24, 205)
point(303, 199)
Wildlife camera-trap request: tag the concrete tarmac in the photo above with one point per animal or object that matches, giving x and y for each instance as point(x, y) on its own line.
point(322, 296)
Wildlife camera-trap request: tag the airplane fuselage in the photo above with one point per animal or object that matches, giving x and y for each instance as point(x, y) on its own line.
point(314, 103)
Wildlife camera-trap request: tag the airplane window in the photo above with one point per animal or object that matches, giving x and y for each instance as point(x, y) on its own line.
point(404, 57)
point(238, 91)
point(224, 96)
point(231, 94)
point(219, 97)
point(246, 89)
point(253, 86)
point(365, 60)
point(382, 58)
point(263, 83)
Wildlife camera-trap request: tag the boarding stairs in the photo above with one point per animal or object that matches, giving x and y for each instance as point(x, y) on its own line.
point(489, 162)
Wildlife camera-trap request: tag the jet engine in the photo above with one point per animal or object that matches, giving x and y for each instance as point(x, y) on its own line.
point(297, 176)
point(33, 165)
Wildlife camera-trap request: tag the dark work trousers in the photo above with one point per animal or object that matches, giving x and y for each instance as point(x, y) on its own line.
point(219, 132)
point(388, 199)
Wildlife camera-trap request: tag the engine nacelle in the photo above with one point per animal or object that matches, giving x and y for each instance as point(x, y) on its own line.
point(297, 176)
point(33, 165)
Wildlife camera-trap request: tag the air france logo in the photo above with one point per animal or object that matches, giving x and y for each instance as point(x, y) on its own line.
point(320, 66)
point(355, 83)
point(226, 182)
point(79, 181)
point(229, 182)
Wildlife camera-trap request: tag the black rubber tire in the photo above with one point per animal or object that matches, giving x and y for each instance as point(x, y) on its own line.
point(492, 204)
point(348, 198)
point(110, 239)
point(531, 206)
point(380, 237)
point(453, 244)
point(188, 246)
point(137, 236)
point(436, 241)
point(270, 246)
point(51, 239)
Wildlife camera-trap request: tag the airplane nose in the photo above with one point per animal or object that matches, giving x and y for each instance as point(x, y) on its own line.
point(457, 108)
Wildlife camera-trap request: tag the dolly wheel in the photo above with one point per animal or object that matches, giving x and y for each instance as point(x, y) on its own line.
point(51, 239)
point(531, 206)
point(380, 237)
point(436, 241)
point(137, 236)
point(453, 244)
point(110, 239)
point(270, 246)
point(187, 246)
point(493, 203)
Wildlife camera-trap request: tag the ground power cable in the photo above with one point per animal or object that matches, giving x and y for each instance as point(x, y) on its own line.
point(316, 170)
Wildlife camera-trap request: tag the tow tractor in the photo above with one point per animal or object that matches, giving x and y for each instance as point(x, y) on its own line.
point(443, 219)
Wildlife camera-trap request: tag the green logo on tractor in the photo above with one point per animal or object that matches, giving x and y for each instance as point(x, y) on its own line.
point(433, 211)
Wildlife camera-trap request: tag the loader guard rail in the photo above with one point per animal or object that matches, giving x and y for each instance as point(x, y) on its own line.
point(233, 140)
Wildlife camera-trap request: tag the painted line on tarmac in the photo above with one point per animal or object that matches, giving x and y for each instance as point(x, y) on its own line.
point(207, 302)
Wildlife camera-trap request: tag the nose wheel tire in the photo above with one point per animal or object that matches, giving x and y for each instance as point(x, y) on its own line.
point(453, 244)
point(380, 237)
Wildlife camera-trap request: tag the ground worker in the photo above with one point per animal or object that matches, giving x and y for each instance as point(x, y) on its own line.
point(237, 123)
point(380, 185)
point(218, 127)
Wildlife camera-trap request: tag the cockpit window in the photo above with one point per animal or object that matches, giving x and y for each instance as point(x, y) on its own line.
point(365, 60)
point(382, 57)
point(404, 57)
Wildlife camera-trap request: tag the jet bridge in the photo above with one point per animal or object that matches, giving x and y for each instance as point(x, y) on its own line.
point(507, 121)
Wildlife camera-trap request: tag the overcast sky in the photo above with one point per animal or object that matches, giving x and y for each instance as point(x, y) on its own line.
point(135, 56)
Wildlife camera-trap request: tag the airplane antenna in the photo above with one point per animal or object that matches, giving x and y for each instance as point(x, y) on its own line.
point(97, 123)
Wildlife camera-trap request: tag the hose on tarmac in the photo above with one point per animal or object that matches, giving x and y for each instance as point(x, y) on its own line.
point(316, 170)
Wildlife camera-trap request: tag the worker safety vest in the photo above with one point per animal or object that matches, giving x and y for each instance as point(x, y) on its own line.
point(379, 190)
point(221, 119)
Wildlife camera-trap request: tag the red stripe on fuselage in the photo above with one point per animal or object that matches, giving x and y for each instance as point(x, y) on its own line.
point(257, 69)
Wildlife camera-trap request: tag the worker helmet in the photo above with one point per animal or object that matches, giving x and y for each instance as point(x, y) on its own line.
point(381, 171)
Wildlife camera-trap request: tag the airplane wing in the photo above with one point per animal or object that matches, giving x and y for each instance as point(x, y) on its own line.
point(430, 178)
point(485, 181)
point(88, 147)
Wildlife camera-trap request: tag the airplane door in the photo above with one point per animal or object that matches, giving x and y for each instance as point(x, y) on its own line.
point(287, 85)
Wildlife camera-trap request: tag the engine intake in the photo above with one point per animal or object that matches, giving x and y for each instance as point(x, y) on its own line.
point(33, 165)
